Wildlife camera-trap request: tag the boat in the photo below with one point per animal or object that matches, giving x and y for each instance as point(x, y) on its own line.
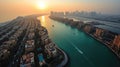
point(52, 25)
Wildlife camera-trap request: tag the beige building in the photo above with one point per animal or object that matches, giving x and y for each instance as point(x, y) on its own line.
point(98, 33)
point(116, 41)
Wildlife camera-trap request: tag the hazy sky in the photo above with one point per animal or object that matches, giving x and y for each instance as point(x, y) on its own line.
point(11, 8)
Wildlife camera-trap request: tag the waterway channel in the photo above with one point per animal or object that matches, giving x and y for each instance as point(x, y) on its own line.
point(82, 49)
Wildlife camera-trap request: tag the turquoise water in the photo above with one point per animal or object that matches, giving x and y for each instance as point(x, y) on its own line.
point(83, 50)
point(40, 56)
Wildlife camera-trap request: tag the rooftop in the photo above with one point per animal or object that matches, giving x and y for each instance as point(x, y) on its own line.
point(27, 60)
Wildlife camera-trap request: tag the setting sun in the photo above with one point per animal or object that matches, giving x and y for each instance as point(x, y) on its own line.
point(59, 33)
point(41, 5)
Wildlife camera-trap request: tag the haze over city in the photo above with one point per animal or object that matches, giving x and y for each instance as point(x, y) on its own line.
point(59, 33)
point(13, 8)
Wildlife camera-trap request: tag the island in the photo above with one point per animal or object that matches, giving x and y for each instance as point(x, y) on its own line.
point(25, 43)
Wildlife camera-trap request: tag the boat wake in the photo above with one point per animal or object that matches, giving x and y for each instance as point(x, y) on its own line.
point(90, 62)
point(77, 48)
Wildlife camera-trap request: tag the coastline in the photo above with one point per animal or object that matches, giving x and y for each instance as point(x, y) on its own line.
point(65, 61)
point(103, 44)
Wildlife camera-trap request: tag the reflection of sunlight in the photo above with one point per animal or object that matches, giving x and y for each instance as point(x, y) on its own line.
point(42, 19)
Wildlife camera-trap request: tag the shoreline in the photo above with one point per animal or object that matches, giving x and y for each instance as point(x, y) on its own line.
point(104, 45)
point(65, 61)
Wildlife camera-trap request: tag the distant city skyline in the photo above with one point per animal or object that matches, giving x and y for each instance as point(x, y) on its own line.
point(13, 8)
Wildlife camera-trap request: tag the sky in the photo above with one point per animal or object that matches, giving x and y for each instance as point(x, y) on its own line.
point(10, 9)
